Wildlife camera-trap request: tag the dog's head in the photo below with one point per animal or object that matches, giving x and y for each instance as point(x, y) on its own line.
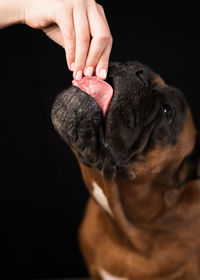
point(148, 127)
point(147, 135)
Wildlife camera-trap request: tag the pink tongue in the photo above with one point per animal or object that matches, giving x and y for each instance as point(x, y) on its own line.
point(101, 91)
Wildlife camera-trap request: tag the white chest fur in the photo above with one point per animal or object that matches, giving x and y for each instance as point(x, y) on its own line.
point(107, 276)
point(101, 198)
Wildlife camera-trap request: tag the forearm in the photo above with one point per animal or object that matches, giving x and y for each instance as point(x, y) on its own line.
point(11, 12)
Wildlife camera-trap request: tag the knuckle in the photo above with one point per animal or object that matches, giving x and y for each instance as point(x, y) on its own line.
point(111, 40)
point(105, 36)
point(69, 36)
point(84, 37)
point(100, 7)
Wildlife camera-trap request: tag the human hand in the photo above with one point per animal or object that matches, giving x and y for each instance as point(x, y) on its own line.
point(71, 23)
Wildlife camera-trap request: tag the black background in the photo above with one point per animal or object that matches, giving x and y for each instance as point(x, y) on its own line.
point(43, 195)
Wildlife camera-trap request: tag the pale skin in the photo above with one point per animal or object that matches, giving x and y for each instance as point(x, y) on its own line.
point(79, 26)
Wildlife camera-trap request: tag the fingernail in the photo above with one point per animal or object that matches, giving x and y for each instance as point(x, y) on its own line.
point(103, 73)
point(89, 71)
point(72, 66)
point(79, 75)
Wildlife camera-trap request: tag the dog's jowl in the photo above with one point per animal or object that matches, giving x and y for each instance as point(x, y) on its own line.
point(140, 163)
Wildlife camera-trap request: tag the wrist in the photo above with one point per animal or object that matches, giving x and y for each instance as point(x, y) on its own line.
point(12, 12)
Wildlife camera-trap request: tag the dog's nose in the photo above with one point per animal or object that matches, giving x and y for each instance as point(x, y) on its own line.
point(143, 77)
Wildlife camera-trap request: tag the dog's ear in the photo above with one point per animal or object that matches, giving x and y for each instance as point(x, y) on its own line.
point(156, 81)
point(190, 166)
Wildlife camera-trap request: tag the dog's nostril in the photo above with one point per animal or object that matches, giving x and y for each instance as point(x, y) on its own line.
point(143, 77)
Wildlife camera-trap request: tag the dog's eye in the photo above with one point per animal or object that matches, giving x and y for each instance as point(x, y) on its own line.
point(168, 113)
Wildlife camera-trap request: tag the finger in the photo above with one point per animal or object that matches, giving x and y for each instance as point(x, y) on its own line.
point(102, 65)
point(65, 23)
point(82, 40)
point(101, 42)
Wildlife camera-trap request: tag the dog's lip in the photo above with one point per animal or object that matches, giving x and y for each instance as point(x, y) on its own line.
point(141, 134)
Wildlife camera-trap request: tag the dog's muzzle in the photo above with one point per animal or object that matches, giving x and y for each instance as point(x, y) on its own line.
point(102, 140)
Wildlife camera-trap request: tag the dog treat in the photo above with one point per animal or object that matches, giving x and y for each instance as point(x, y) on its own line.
point(101, 91)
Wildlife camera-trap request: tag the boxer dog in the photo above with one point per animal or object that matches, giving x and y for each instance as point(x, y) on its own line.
point(140, 163)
